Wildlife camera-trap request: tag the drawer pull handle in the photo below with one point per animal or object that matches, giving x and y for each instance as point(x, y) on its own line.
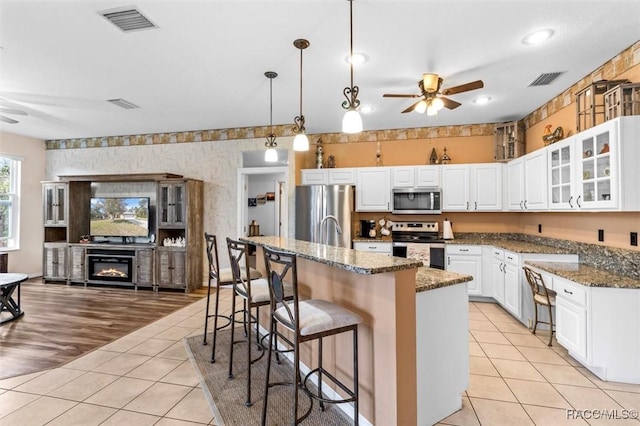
point(464, 249)
point(567, 291)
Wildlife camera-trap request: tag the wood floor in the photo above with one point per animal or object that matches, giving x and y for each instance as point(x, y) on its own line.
point(63, 322)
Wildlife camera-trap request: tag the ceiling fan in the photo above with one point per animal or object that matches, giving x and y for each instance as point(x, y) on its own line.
point(4, 111)
point(432, 98)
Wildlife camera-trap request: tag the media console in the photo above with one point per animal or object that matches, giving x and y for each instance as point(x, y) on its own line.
point(176, 205)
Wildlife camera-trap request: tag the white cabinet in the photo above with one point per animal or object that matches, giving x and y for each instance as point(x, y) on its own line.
point(415, 176)
point(497, 269)
point(373, 189)
point(526, 182)
point(466, 260)
point(332, 176)
point(314, 177)
point(383, 247)
point(562, 175)
point(571, 317)
point(512, 285)
point(472, 187)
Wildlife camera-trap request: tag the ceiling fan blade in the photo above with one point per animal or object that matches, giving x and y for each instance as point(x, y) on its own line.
point(8, 120)
point(450, 104)
point(12, 111)
point(395, 95)
point(478, 84)
point(412, 107)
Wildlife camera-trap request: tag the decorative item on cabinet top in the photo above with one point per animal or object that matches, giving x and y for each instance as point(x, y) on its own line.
point(445, 159)
point(621, 100)
point(552, 137)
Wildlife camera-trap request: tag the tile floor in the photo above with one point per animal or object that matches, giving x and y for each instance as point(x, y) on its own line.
point(146, 378)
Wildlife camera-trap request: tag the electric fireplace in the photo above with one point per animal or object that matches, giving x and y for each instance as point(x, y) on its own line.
point(110, 266)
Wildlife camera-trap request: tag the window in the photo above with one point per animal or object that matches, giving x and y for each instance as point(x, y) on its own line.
point(9, 202)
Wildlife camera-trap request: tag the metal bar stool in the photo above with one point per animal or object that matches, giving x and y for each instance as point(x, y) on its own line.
point(254, 293)
point(541, 296)
point(223, 278)
point(307, 320)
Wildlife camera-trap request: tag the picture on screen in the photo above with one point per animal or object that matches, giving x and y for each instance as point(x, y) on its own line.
point(120, 217)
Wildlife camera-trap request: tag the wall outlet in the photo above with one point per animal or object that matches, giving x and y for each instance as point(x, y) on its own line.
point(539, 228)
point(600, 234)
point(633, 238)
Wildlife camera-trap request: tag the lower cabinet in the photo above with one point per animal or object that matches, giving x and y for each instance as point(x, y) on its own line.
point(466, 259)
point(374, 246)
point(512, 285)
point(54, 261)
point(77, 268)
point(145, 267)
point(171, 267)
point(497, 270)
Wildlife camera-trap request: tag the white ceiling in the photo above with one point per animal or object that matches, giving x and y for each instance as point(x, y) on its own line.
point(203, 68)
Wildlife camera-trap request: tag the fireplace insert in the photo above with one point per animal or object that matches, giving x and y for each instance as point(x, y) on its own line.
point(112, 266)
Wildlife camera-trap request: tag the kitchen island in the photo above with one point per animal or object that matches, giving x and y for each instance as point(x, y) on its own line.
point(413, 318)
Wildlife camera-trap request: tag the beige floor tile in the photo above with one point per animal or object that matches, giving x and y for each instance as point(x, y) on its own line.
point(502, 317)
point(471, 339)
point(194, 408)
point(594, 379)
point(501, 351)
point(150, 330)
point(546, 416)
point(517, 370)
point(120, 393)
point(537, 393)
point(586, 398)
point(49, 381)
point(473, 307)
point(154, 369)
point(38, 412)
point(196, 321)
point(563, 375)
point(511, 327)
point(484, 325)
point(123, 417)
point(489, 307)
point(11, 401)
point(91, 360)
point(175, 333)
point(490, 388)
point(84, 386)
point(477, 316)
point(175, 351)
point(612, 418)
point(151, 347)
point(13, 382)
point(122, 364)
point(543, 355)
point(175, 422)
point(475, 350)
point(520, 339)
point(464, 417)
point(184, 375)
point(83, 415)
point(622, 387)
point(158, 399)
point(628, 400)
point(482, 366)
point(500, 413)
point(125, 343)
point(490, 337)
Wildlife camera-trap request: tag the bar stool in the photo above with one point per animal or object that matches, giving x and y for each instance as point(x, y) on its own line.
point(541, 296)
point(307, 320)
point(223, 278)
point(254, 294)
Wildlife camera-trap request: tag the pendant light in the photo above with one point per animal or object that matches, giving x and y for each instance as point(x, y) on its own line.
point(352, 122)
point(271, 155)
point(301, 141)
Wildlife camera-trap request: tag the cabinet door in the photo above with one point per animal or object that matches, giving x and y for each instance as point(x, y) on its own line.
point(486, 187)
point(515, 184)
point(468, 265)
point(55, 262)
point(144, 262)
point(455, 188)
point(427, 176)
point(373, 190)
point(497, 268)
point(55, 204)
point(571, 327)
point(561, 179)
point(314, 177)
point(535, 180)
point(171, 204)
point(171, 268)
point(512, 288)
point(403, 177)
point(344, 176)
point(76, 263)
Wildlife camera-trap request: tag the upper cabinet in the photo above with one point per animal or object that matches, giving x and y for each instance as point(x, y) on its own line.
point(331, 176)
point(526, 182)
point(171, 204)
point(472, 187)
point(597, 169)
point(55, 204)
point(415, 176)
point(373, 189)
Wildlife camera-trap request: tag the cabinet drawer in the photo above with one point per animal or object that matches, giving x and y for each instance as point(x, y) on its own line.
point(377, 247)
point(570, 291)
point(460, 249)
point(512, 258)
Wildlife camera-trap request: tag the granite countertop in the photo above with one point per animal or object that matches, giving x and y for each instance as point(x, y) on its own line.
point(431, 279)
point(512, 245)
point(586, 275)
point(371, 240)
point(360, 262)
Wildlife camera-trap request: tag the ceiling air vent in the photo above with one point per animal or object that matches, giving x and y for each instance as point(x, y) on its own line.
point(123, 104)
point(545, 79)
point(128, 19)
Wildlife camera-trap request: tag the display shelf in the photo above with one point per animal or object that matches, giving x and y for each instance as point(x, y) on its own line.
point(590, 104)
point(509, 141)
point(621, 100)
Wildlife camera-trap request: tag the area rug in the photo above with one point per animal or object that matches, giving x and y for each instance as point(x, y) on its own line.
point(227, 396)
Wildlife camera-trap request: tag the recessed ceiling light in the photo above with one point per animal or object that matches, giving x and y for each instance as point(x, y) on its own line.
point(365, 109)
point(483, 100)
point(538, 37)
point(358, 59)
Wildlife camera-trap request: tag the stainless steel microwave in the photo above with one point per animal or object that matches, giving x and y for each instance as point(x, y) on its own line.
point(416, 201)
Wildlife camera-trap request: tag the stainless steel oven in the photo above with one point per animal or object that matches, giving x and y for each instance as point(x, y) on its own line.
point(416, 200)
point(419, 240)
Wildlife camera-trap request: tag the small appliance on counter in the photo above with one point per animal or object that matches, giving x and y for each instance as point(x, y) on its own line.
point(447, 230)
point(368, 228)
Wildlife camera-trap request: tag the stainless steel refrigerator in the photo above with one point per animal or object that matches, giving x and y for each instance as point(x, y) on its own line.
point(323, 214)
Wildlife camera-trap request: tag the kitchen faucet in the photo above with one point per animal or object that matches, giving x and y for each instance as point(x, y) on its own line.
point(322, 222)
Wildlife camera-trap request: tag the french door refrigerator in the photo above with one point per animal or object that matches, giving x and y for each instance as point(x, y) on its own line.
point(323, 214)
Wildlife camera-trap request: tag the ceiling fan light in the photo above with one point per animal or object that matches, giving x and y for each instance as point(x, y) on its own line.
point(271, 155)
point(352, 122)
point(437, 103)
point(301, 142)
point(430, 82)
point(421, 107)
point(431, 110)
